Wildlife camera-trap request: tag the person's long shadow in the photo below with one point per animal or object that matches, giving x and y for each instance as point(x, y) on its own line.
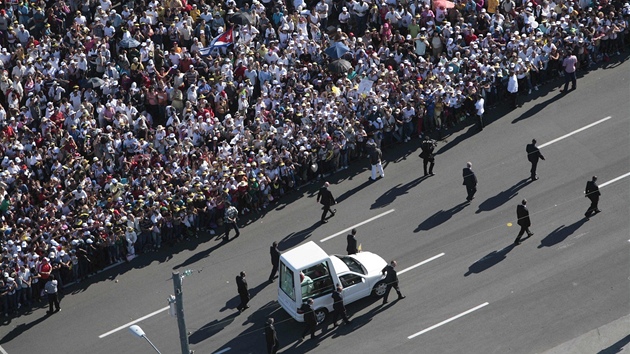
point(617, 347)
point(538, 107)
point(199, 256)
point(440, 217)
point(350, 192)
point(21, 329)
point(561, 233)
point(503, 197)
point(295, 238)
point(211, 328)
point(489, 260)
point(472, 130)
point(391, 195)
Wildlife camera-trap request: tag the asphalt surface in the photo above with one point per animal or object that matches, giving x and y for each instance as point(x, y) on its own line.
point(560, 285)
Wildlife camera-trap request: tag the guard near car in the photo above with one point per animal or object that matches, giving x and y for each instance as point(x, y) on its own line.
point(309, 318)
point(391, 278)
point(339, 307)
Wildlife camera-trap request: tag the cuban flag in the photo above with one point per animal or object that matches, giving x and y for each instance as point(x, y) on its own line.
point(223, 40)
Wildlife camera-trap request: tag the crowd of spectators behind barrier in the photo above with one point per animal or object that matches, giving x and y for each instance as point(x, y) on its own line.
point(110, 150)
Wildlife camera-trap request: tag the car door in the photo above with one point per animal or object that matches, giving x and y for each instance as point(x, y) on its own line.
point(355, 287)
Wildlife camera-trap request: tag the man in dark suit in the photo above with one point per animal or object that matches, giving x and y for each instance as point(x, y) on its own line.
point(391, 279)
point(243, 291)
point(338, 306)
point(309, 318)
point(522, 214)
point(428, 159)
point(470, 181)
point(592, 193)
point(326, 198)
point(275, 260)
point(533, 155)
point(352, 247)
point(271, 336)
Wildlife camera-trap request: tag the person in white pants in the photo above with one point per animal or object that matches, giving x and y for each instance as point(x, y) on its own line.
point(377, 166)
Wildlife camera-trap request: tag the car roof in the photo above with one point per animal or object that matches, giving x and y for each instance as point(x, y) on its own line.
point(304, 255)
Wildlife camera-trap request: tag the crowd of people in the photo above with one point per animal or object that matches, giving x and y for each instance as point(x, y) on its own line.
point(124, 129)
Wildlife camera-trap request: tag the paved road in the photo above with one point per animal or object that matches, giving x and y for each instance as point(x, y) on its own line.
point(482, 296)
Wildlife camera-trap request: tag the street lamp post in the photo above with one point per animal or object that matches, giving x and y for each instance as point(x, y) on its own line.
point(136, 330)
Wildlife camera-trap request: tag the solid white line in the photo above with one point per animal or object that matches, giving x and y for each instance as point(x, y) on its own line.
point(574, 132)
point(614, 180)
point(223, 350)
point(421, 263)
point(2, 351)
point(447, 321)
point(133, 322)
point(357, 225)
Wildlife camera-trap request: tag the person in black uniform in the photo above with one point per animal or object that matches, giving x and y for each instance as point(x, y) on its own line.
point(326, 198)
point(522, 213)
point(271, 336)
point(592, 193)
point(470, 181)
point(428, 158)
point(275, 260)
point(533, 155)
point(243, 291)
point(339, 307)
point(352, 242)
point(309, 318)
point(391, 278)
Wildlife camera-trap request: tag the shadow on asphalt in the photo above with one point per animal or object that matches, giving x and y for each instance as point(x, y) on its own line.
point(490, 260)
point(211, 328)
point(356, 189)
point(21, 328)
point(390, 196)
point(295, 238)
point(617, 347)
point(503, 197)
point(539, 107)
point(561, 233)
point(440, 217)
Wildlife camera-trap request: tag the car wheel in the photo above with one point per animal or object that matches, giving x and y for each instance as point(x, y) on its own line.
point(321, 314)
point(379, 289)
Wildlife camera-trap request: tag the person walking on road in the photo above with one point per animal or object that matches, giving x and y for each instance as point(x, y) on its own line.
point(339, 307)
point(512, 88)
point(470, 181)
point(592, 193)
point(325, 198)
point(428, 158)
point(522, 214)
point(243, 291)
point(309, 318)
point(275, 260)
point(391, 279)
point(376, 156)
point(569, 64)
point(271, 336)
point(533, 155)
point(231, 217)
point(53, 294)
point(352, 247)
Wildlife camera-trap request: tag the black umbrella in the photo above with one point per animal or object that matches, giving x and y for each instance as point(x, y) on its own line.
point(241, 18)
point(128, 43)
point(340, 66)
point(94, 82)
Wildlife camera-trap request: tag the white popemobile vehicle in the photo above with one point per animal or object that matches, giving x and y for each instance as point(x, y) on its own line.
point(307, 271)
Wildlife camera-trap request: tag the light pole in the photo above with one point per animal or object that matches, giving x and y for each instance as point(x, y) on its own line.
point(136, 330)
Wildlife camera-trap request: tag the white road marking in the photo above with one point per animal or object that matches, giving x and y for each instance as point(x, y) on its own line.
point(2, 351)
point(574, 132)
point(447, 321)
point(223, 350)
point(133, 322)
point(357, 225)
point(614, 180)
point(421, 263)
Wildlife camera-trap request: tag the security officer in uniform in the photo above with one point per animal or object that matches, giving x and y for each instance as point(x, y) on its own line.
point(592, 193)
point(428, 158)
point(533, 155)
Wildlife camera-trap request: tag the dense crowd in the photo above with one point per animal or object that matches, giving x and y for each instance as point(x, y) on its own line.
point(127, 128)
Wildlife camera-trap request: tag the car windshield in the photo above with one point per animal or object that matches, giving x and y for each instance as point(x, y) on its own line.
point(352, 264)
